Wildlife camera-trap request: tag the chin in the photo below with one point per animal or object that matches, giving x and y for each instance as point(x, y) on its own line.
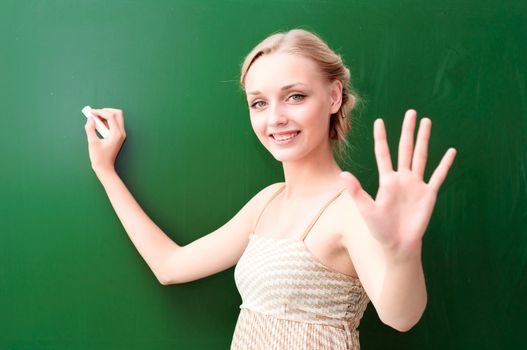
point(287, 156)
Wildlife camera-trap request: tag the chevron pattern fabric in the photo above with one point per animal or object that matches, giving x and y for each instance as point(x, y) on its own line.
point(290, 300)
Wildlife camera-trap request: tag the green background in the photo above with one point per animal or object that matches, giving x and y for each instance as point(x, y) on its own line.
point(70, 278)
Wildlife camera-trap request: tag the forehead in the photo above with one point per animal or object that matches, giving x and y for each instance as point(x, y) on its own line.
point(272, 71)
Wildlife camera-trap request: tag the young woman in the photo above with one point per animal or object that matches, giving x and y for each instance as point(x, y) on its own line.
point(312, 251)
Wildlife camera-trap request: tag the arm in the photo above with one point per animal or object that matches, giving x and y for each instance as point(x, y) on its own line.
point(170, 262)
point(154, 246)
point(220, 249)
point(395, 286)
point(390, 228)
point(402, 297)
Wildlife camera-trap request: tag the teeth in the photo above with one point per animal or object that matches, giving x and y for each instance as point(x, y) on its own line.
point(285, 137)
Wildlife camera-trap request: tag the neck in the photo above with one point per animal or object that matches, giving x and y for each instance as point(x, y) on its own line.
point(312, 175)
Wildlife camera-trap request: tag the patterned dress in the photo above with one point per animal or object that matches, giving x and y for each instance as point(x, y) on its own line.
point(290, 300)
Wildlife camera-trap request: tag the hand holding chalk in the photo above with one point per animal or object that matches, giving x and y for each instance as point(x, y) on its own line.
point(101, 128)
point(104, 151)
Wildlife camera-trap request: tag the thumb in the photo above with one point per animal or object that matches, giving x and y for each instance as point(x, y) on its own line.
point(361, 197)
point(90, 130)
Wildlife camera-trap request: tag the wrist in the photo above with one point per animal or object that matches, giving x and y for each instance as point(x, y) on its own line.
point(404, 252)
point(104, 173)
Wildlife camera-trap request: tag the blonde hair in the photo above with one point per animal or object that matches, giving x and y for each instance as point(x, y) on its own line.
point(307, 44)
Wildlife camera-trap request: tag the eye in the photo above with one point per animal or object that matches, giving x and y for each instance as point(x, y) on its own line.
point(254, 105)
point(300, 98)
point(300, 95)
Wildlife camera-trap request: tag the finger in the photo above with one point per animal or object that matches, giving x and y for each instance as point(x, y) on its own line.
point(406, 142)
point(90, 130)
point(361, 197)
point(382, 151)
point(439, 175)
point(97, 114)
point(109, 117)
point(421, 147)
point(119, 117)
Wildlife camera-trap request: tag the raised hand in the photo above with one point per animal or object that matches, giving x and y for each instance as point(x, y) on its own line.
point(399, 215)
point(104, 151)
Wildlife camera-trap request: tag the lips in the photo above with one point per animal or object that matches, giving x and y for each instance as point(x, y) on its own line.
point(286, 135)
point(284, 138)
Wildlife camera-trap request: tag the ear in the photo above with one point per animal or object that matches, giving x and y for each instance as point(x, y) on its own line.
point(336, 95)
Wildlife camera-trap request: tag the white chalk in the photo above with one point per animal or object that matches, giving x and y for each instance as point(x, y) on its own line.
point(99, 125)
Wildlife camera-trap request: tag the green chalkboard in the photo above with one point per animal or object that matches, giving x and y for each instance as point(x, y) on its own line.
point(70, 278)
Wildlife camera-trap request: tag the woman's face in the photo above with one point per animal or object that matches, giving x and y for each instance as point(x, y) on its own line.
point(290, 104)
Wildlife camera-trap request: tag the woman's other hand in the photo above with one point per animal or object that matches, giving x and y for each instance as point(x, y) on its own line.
point(399, 215)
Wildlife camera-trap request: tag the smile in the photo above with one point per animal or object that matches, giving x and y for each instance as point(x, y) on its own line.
point(284, 138)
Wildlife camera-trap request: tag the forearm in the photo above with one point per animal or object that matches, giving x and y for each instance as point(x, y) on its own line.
point(153, 245)
point(403, 296)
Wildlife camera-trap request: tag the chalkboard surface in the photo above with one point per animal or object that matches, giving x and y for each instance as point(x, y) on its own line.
point(70, 278)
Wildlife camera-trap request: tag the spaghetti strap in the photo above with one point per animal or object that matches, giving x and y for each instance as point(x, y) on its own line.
point(290, 299)
point(304, 235)
point(266, 204)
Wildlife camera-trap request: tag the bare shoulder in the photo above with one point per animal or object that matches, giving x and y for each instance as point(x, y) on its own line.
point(250, 211)
point(364, 250)
point(355, 233)
point(220, 249)
point(269, 190)
point(264, 195)
point(352, 221)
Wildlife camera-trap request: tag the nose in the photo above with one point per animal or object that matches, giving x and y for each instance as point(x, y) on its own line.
point(277, 115)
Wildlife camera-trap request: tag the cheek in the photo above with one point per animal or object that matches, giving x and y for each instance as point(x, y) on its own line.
point(254, 124)
point(311, 115)
point(258, 126)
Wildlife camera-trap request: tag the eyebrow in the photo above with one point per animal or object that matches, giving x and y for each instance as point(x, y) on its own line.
point(283, 88)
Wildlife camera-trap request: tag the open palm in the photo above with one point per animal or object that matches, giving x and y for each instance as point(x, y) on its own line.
point(399, 215)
